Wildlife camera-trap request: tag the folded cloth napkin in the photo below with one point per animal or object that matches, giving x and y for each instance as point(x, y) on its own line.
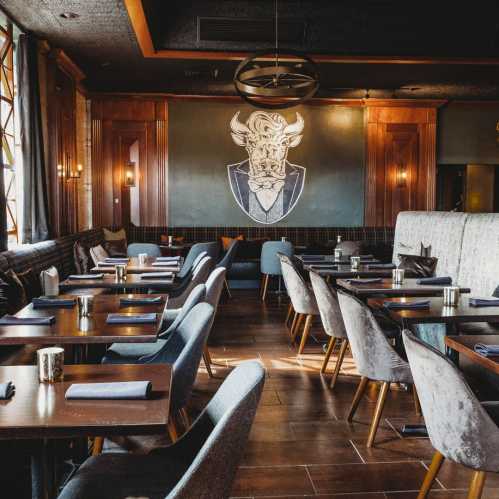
point(408, 305)
point(487, 350)
point(366, 257)
point(324, 266)
point(7, 389)
point(116, 259)
point(373, 280)
point(381, 266)
point(131, 318)
point(107, 264)
point(156, 275)
point(141, 301)
point(169, 265)
point(168, 258)
point(11, 320)
point(435, 280)
point(47, 302)
point(484, 302)
point(83, 277)
point(116, 390)
point(319, 258)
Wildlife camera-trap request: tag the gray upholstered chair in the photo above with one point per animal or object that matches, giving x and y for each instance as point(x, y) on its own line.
point(201, 464)
point(374, 356)
point(98, 254)
point(302, 298)
point(211, 249)
point(135, 249)
point(332, 321)
point(460, 428)
point(270, 264)
point(227, 261)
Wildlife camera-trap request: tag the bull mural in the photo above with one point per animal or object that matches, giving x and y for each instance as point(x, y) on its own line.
point(266, 185)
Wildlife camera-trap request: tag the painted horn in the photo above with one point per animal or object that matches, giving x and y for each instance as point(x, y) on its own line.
point(294, 128)
point(238, 127)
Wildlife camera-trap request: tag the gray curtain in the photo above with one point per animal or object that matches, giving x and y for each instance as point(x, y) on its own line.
point(35, 197)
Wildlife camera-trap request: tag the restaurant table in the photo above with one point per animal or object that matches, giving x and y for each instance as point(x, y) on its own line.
point(39, 412)
point(333, 272)
point(464, 344)
point(329, 259)
point(134, 267)
point(132, 282)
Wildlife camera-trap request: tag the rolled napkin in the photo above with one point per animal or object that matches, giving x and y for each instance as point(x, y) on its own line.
point(435, 280)
point(484, 302)
point(47, 302)
point(141, 301)
point(111, 259)
point(486, 350)
point(381, 266)
point(408, 305)
point(130, 318)
point(11, 320)
point(85, 277)
point(131, 390)
point(156, 275)
point(7, 389)
point(373, 280)
point(168, 258)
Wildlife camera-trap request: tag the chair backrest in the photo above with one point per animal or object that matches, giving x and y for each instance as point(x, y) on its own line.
point(269, 261)
point(300, 294)
point(329, 308)
point(214, 445)
point(135, 249)
point(374, 356)
point(196, 296)
point(210, 249)
point(203, 269)
point(229, 256)
point(197, 261)
point(458, 425)
point(214, 286)
point(98, 254)
point(198, 276)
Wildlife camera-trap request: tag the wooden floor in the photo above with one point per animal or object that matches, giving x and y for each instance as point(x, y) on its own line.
point(300, 444)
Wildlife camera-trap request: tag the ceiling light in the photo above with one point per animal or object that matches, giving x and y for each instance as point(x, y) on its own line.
point(69, 15)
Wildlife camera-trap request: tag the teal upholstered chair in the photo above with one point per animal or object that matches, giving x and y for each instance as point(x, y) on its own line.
point(270, 264)
point(135, 249)
point(227, 260)
point(210, 249)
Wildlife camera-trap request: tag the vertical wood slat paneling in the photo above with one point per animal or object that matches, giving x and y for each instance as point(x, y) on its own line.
point(162, 166)
point(97, 173)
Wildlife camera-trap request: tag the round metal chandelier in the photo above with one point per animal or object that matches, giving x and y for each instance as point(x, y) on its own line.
point(276, 79)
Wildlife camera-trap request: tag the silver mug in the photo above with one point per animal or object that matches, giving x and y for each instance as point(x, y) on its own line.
point(50, 364)
point(120, 271)
point(398, 276)
point(85, 305)
point(170, 240)
point(355, 262)
point(142, 258)
point(338, 253)
point(451, 296)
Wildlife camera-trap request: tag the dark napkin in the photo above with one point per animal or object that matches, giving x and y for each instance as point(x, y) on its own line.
point(366, 257)
point(324, 266)
point(156, 275)
point(435, 280)
point(319, 258)
point(7, 389)
point(168, 259)
point(484, 302)
point(381, 266)
point(110, 259)
point(141, 301)
point(408, 305)
point(486, 350)
point(85, 277)
point(11, 320)
point(46, 302)
point(374, 280)
point(130, 318)
point(166, 265)
point(137, 390)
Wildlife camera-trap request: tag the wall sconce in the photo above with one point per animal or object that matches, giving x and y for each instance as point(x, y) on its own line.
point(130, 174)
point(60, 171)
point(76, 173)
point(401, 176)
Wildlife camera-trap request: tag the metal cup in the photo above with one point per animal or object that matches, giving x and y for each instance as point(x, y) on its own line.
point(451, 296)
point(50, 364)
point(283, 239)
point(85, 305)
point(142, 258)
point(338, 253)
point(398, 276)
point(170, 240)
point(355, 262)
point(120, 271)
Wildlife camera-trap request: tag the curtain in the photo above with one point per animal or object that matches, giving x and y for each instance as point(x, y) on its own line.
point(35, 197)
point(3, 207)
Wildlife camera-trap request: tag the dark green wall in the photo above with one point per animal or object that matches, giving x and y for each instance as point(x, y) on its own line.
point(467, 134)
point(201, 147)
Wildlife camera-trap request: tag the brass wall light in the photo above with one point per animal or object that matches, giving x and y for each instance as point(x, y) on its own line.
point(130, 174)
point(401, 175)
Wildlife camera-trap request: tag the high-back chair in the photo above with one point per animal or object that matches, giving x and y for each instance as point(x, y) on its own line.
point(98, 254)
point(301, 297)
point(135, 249)
point(270, 264)
point(201, 464)
point(374, 356)
point(332, 321)
point(459, 426)
point(227, 261)
point(210, 249)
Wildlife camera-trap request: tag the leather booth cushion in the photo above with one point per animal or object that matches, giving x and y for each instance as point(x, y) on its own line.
point(14, 291)
point(250, 249)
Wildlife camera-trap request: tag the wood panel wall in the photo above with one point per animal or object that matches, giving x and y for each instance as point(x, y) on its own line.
point(116, 124)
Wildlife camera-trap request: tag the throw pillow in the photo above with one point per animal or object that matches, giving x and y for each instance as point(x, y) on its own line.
point(420, 266)
point(350, 247)
point(109, 235)
point(116, 248)
point(227, 241)
point(81, 257)
point(50, 281)
point(31, 284)
point(14, 291)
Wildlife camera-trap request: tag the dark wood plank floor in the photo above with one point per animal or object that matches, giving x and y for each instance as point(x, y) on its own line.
point(300, 444)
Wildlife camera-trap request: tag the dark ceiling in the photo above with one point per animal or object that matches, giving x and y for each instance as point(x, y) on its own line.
point(102, 42)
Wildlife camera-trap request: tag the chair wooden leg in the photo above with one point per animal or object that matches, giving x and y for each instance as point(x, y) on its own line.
point(265, 286)
point(226, 286)
point(417, 405)
point(296, 328)
point(357, 398)
point(377, 413)
point(339, 361)
point(288, 315)
point(186, 420)
point(431, 474)
point(172, 429)
point(477, 484)
point(304, 335)
point(329, 351)
point(98, 444)
point(207, 361)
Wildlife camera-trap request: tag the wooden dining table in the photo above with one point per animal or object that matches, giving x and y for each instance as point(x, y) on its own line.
point(133, 282)
point(334, 272)
point(39, 412)
point(135, 267)
point(331, 260)
point(465, 345)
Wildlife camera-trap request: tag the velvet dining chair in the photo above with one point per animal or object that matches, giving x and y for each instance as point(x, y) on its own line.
point(227, 261)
